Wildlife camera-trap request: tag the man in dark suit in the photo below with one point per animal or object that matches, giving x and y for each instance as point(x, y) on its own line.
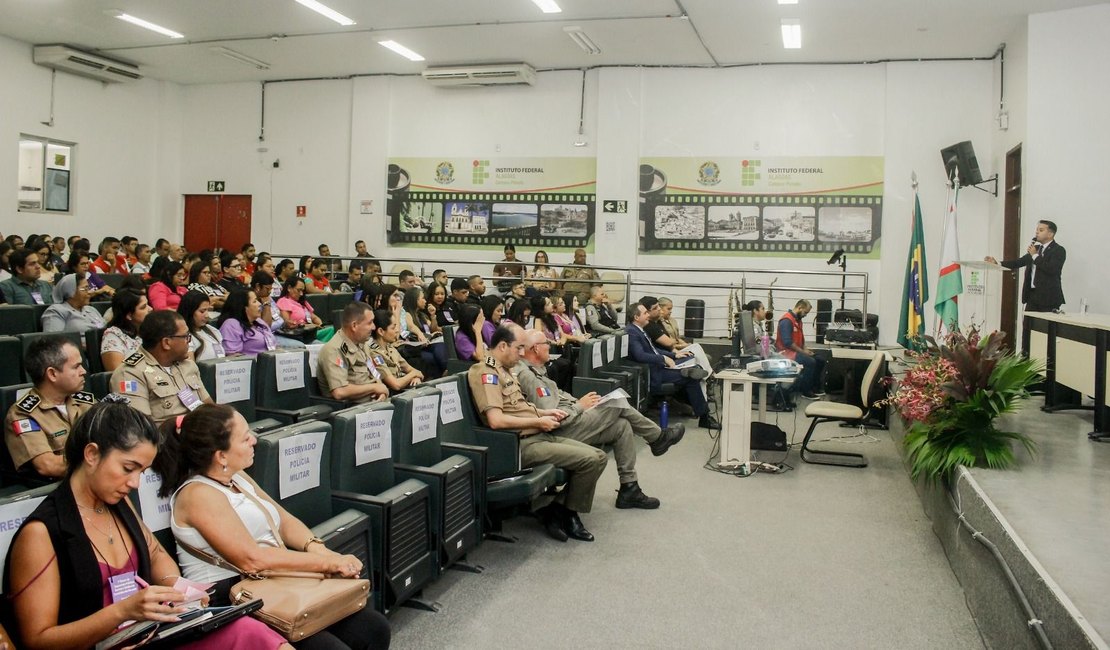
point(642, 350)
point(1042, 289)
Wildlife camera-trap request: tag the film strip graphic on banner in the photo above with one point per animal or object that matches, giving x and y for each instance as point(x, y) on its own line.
point(545, 220)
point(782, 224)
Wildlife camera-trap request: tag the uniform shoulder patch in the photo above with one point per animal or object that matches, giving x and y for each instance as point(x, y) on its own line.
point(84, 398)
point(491, 362)
point(20, 427)
point(344, 349)
point(134, 359)
point(489, 378)
point(379, 360)
point(29, 403)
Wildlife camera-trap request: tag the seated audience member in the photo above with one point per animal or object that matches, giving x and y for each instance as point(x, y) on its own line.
point(71, 311)
point(127, 246)
point(516, 292)
point(191, 260)
point(469, 345)
point(611, 425)
point(759, 318)
point(396, 373)
point(71, 584)
point(5, 274)
point(600, 315)
point(492, 310)
point(439, 276)
point(200, 279)
point(205, 341)
point(360, 250)
point(49, 272)
point(160, 379)
point(231, 278)
point(166, 292)
point(420, 325)
point(142, 260)
point(477, 287)
point(161, 249)
point(285, 269)
point(37, 425)
point(499, 399)
point(666, 336)
point(107, 258)
point(641, 349)
point(218, 509)
point(304, 266)
point(435, 296)
point(344, 369)
point(262, 285)
point(121, 339)
point(460, 295)
point(58, 246)
point(353, 283)
point(317, 279)
point(247, 253)
point(563, 369)
point(242, 327)
point(79, 263)
point(510, 267)
point(543, 276)
point(407, 279)
point(521, 313)
point(790, 341)
point(294, 309)
point(583, 272)
point(567, 319)
point(332, 266)
point(25, 287)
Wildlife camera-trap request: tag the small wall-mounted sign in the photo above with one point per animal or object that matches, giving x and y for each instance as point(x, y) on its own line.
point(615, 207)
point(215, 186)
point(302, 211)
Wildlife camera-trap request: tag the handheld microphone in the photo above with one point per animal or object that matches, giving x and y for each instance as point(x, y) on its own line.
point(836, 256)
point(1038, 244)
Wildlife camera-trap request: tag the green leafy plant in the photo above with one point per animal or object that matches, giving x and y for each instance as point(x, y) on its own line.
point(971, 381)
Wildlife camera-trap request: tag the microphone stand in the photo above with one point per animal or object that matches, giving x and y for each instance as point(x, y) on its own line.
point(844, 281)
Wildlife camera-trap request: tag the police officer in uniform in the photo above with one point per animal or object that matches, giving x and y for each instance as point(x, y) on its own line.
point(610, 425)
point(397, 373)
point(498, 398)
point(160, 379)
point(37, 426)
point(345, 370)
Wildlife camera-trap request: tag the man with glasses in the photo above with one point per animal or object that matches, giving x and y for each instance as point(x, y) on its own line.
point(25, 287)
point(160, 379)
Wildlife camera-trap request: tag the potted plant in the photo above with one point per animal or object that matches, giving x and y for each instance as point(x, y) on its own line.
point(951, 397)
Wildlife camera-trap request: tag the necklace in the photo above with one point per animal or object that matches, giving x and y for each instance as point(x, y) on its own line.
point(98, 509)
point(226, 484)
point(108, 533)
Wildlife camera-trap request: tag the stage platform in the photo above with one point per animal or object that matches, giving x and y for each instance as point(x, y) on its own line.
point(1050, 520)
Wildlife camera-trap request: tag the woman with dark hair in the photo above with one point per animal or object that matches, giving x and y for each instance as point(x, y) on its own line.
point(396, 373)
point(5, 250)
point(217, 508)
point(469, 345)
point(83, 563)
point(561, 370)
point(79, 263)
point(568, 321)
point(205, 341)
point(295, 310)
point(121, 339)
point(304, 267)
point(167, 290)
point(200, 279)
point(242, 327)
point(492, 309)
point(434, 296)
point(521, 313)
point(42, 248)
point(433, 353)
point(543, 276)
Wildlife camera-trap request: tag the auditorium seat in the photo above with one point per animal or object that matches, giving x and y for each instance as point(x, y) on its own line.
point(99, 384)
point(320, 305)
point(235, 374)
point(93, 338)
point(18, 319)
point(589, 378)
point(454, 363)
point(154, 510)
point(9, 395)
point(405, 558)
point(337, 302)
point(11, 351)
point(506, 488)
point(290, 401)
point(114, 280)
point(449, 474)
point(292, 464)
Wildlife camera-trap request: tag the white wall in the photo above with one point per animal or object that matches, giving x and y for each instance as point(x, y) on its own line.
point(1068, 137)
point(127, 155)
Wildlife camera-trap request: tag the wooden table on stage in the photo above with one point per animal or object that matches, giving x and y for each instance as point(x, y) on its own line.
point(736, 423)
point(1073, 347)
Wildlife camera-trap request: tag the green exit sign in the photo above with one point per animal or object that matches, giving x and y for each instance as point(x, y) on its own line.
point(215, 186)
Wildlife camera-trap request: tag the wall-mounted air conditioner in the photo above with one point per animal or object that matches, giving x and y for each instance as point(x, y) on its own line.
point(482, 75)
point(94, 66)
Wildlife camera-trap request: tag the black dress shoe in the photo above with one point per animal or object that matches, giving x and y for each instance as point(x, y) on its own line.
point(631, 496)
point(697, 373)
point(573, 527)
point(670, 437)
point(552, 522)
point(708, 422)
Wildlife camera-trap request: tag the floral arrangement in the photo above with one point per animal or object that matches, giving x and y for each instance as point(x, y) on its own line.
point(951, 397)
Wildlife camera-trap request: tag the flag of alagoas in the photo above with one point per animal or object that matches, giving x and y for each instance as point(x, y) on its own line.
point(950, 284)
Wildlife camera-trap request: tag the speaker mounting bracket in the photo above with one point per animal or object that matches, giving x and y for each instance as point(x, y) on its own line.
point(993, 180)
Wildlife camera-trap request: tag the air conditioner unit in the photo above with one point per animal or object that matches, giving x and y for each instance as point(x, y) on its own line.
point(482, 75)
point(72, 60)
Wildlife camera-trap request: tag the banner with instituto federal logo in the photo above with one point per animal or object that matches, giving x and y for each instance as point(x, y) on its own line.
point(540, 202)
point(781, 206)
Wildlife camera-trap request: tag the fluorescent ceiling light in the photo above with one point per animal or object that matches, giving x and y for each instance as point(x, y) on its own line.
point(788, 2)
point(791, 33)
point(239, 56)
point(548, 6)
point(327, 12)
point(401, 49)
point(147, 25)
point(582, 40)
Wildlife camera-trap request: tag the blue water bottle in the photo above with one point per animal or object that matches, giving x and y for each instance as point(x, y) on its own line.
point(663, 416)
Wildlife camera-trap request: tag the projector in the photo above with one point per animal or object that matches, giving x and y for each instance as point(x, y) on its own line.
point(776, 366)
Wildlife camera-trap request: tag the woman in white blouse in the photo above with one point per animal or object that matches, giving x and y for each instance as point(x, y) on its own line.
point(121, 339)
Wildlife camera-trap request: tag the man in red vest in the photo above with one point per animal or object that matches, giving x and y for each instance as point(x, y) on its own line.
point(790, 341)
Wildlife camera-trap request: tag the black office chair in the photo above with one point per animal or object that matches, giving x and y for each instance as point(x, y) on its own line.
point(825, 411)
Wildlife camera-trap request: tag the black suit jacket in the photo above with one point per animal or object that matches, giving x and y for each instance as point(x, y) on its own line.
point(1049, 292)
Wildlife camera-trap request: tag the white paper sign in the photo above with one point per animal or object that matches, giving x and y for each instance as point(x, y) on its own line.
point(611, 349)
point(290, 371)
point(233, 381)
point(615, 398)
point(313, 355)
point(373, 438)
point(624, 346)
point(11, 517)
point(155, 509)
point(299, 462)
point(598, 350)
point(425, 417)
point(450, 409)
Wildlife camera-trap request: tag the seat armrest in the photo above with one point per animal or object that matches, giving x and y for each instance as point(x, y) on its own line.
point(287, 416)
point(333, 404)
point(582, 385)
point(343, 521)
point(504, 450)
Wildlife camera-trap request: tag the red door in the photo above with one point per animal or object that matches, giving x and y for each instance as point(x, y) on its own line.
point(217, 220)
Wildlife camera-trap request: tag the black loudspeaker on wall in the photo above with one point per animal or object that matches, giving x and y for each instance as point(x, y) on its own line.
point(961, 156)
